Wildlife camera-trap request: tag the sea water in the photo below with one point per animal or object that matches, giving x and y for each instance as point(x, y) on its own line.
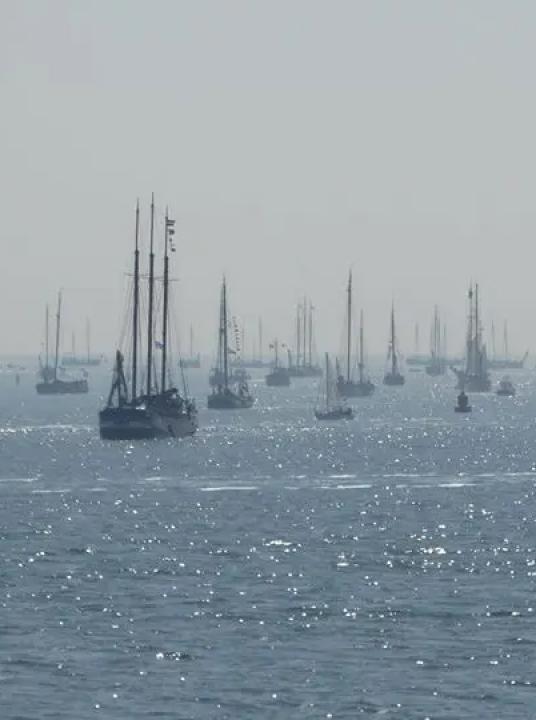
point(271, 566)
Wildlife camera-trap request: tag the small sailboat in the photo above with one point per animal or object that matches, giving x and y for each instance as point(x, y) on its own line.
point(393, 376)
point(346, 385)
point(227, 393)
point(462, 405)
point(50, 383)
point(160, 412)
point(332, 407)
point(279, 376)
point(506, 388)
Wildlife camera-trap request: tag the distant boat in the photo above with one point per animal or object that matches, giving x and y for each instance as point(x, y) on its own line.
point(159, 412)
point(346, 385)
point(506, 388)
point(475, 376)
point(279, 376)
point(437, 364)
point(50, 383)
point(393, 376)
point(303, 365)
point(505, 362)
point(194, 359)
point(417, 360)
point(87, 360)
point(226, 394)
point(331, 406)
point(462, 405)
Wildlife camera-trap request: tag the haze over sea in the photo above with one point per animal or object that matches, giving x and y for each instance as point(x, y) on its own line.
point(271, 566)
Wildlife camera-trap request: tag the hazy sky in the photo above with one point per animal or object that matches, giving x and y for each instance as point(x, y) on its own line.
point(290, 138)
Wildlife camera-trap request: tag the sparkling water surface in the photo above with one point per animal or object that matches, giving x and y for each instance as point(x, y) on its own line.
point(271, 566)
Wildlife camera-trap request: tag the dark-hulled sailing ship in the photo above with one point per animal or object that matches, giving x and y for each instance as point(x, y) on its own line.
point(51, 383)
point(474, 377)
point(346, 384)
point(227, 394)
point(393, 376)
point(161, 411)
point(279, 375)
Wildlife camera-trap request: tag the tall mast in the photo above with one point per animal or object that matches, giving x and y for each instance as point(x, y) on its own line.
point(135, 317)
point(361, 349)
point(393, 350)
point(151, 300)
point(47, 314)
point(311, 308)
point(304, 331)
point(276, 353)
point(327, 382)
point(349, 327)
point(58, 322)
point(470, 332)
point(224, 333)
point(168, 230)
point(260, 339)
point(493, 344)
point(298, 335)
point(477, 333)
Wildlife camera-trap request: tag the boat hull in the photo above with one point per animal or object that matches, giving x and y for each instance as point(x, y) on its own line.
point(278, 379)
point(355, 389)
point(138, 423)
point(62, 387)
point(229, 401)
point(335, 414)
point(309, 371)
point(466, 409)
point(394, 380)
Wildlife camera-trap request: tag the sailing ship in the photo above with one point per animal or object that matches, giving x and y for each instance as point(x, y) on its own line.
point(393, 376)
point(161, 411)
point(87, 360)
point(304, 367)
point(50, 383)
point(474, 376)
point(346, 385)
point(279, 375)
point(227, 393)
point(194, 359)
point(331, 406)
point(437, 364)
point(506, 362)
